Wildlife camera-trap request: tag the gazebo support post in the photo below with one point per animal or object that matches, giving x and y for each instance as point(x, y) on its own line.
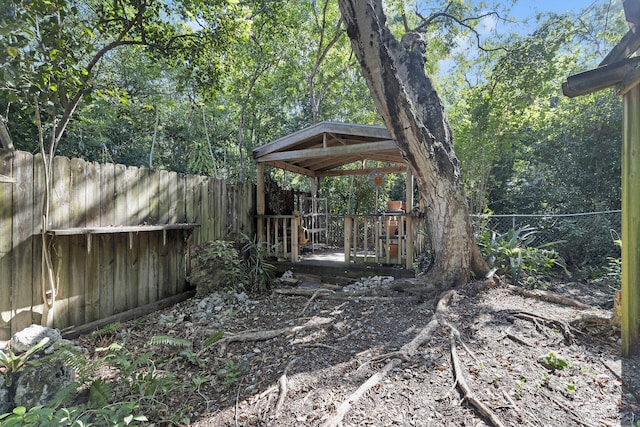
point(260, 206)
point(618, 69)
point(409, 209)
point(630, 327)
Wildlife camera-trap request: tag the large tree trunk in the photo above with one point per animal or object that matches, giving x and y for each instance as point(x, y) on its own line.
point(412, 111)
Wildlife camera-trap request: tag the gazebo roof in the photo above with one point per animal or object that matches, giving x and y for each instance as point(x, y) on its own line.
point(321, 148)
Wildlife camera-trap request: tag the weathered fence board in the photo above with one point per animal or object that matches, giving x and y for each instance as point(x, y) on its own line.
point(100, 270)
point(6, 197)
point(105, 294)
point(60, 217)
point(22, 231)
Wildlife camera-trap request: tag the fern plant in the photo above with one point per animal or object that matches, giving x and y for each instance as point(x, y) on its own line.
point(166, 340)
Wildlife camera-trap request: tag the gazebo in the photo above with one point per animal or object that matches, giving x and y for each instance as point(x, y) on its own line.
point(322, 150)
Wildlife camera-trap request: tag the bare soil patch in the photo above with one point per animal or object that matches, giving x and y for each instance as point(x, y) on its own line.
point(390, 356)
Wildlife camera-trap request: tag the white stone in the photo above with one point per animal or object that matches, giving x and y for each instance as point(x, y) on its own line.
point(28, 337)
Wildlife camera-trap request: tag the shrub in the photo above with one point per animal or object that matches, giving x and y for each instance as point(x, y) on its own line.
point(224, 265)
point(513, 256)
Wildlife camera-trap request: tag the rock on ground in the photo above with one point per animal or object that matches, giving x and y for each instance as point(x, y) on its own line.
point(27, 338)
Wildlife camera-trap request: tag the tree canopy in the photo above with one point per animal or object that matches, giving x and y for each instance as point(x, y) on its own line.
point(193, 86)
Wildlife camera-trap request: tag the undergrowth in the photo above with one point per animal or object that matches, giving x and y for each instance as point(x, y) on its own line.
point(241, 266)
point(513, 255)
point(139, 389)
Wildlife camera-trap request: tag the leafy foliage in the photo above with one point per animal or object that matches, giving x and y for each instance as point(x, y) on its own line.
point(512, 255)
point(223, 266)
point(14, 362)
point(258, 274)
point(554, 362)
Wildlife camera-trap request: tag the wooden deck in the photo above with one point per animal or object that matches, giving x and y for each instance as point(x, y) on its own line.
point(330, 265)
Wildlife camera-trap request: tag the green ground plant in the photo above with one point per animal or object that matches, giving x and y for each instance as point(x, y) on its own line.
point(137, 391)
point(610, 274)
point(239, 266)
point(512, 255)
point(14, 362)
point(258, 274)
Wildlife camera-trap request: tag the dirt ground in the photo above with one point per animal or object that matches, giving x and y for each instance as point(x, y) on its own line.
point(390, 355)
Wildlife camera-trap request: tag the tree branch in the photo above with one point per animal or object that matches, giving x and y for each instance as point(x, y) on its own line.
point(427, 21)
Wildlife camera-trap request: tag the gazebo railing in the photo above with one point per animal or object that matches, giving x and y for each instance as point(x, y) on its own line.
point(281, 235)
point(388, 238)
point(385, 238)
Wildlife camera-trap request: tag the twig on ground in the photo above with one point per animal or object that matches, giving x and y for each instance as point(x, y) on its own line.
point(319, 344)
point(515, 338)
point(236, 408)
point(345, 406)
point(315, 294)
point(518, 411)
point(448, 395)
point(353, 332)
point(466, 391)
point(575, 417)
point(302, 292)
point(332, 295)
point(550, 297)
point(284, 387)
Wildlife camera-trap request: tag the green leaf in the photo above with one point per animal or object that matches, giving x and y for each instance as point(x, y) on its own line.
point(11, 51)
point(99, 394)
point(213, 338)
point(19, 410)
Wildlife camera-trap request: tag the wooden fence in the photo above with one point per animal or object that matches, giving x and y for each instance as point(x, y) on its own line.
point(118, 235)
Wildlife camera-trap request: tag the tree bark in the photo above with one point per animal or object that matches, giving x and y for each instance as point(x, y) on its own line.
point(412, 111)
point(5, 137)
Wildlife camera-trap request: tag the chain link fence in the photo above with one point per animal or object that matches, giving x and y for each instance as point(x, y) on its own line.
point(581, 238)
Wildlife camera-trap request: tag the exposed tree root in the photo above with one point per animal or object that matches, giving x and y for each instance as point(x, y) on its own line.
point(559, 324)
point(314, 322)
point(283, 385)
point(549, 297)
point(515, 338)
point(405, 352)
point(466, 391)
point(332, 295)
